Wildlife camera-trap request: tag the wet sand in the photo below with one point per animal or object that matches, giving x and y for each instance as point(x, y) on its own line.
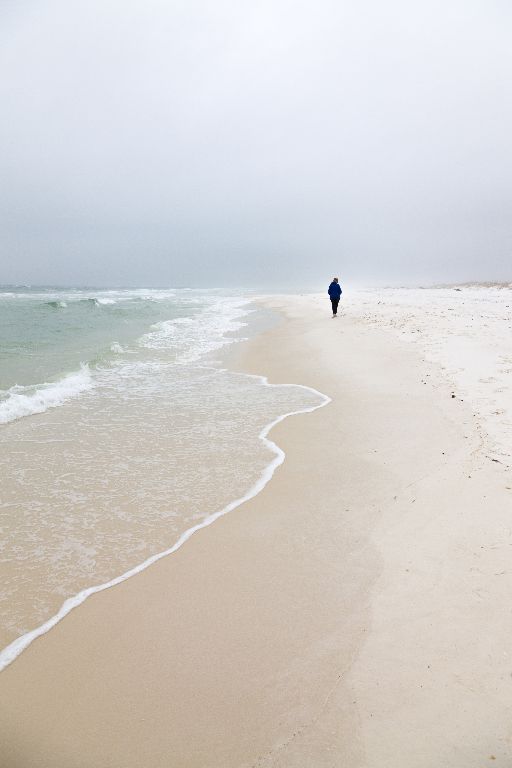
point(355, 613)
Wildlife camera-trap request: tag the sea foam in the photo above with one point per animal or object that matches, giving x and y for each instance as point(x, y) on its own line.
point(14, 649)
point(26, 401)
point(196, 336)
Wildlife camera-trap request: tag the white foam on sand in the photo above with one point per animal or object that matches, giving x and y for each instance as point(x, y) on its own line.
point(26, 401)
point(193, 337)
point(14, 649)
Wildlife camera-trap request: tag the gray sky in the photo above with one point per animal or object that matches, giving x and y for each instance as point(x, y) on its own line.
point(171, 142)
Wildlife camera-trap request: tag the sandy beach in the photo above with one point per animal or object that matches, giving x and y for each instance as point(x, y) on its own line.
point(356, 612)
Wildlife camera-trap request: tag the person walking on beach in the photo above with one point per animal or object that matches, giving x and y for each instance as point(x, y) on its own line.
point(335, 294)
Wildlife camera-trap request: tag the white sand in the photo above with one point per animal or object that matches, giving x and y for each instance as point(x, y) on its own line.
point(466, 332)
point(355, 613)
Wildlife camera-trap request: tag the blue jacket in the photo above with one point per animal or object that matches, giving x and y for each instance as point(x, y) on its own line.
point(334, 290)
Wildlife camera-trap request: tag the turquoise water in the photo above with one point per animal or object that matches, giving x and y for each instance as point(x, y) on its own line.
point(47, 333)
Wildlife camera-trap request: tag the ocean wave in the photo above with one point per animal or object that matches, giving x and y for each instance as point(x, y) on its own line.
point(194, 337)
point(93, 301)
point(27, 401)
point(92, 296)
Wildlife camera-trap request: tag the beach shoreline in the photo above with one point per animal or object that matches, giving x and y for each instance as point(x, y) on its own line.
point(283, 640)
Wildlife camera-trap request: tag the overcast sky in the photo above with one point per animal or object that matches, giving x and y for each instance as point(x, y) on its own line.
point(185, 142)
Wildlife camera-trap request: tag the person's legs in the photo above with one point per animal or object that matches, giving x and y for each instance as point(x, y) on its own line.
point(335, 303)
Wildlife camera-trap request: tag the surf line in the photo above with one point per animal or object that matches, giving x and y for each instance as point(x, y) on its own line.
point(14, 649)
